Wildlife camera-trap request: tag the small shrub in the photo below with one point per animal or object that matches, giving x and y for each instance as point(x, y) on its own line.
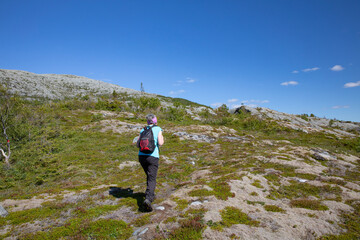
point(308, 204)
point(189, 229)
point(274, 208)
point(305, 117)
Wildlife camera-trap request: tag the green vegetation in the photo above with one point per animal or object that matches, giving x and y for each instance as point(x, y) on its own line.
point(143, 220)
point(77, 229)
point(221, 190)
point(274, 208)
point(191, 226)
point(305, 117)
point(63, 145)
point(350, 223)
point(257, 184)
point(303, 190)
point(232, 215)
point(308, 204)
point(30, 215)
point(181, 203)
point(170, 219)
point(189, 229)
point(255, 202)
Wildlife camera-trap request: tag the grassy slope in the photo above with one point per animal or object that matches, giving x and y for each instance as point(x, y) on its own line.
point(59, 155)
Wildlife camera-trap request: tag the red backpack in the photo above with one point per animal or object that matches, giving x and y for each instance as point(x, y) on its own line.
point(146, 142)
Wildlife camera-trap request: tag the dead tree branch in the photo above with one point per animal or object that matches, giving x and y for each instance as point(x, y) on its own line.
point(4, 127)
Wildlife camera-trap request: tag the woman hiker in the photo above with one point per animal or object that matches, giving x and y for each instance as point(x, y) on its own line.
point(149, 156)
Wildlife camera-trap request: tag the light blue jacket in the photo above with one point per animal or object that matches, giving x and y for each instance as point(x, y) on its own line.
point(155, 131)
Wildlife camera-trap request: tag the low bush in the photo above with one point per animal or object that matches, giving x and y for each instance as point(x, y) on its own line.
point(308, 204)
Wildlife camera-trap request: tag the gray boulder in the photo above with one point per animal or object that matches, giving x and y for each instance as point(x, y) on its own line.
point(3, 212)
point(195, 137)
point(322, 155)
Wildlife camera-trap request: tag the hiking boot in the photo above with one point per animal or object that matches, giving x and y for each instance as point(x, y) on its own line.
point(147, 205)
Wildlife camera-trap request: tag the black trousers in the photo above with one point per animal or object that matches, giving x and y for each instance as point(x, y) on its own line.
point(150, 166)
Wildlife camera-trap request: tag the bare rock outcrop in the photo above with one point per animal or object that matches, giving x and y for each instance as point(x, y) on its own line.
point(303, 122)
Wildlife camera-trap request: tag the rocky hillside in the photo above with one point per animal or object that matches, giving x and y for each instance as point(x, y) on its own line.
point(56, 86)
point(304, 122)
point(253, 174)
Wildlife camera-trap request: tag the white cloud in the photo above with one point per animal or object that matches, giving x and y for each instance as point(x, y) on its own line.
point(190, 80)
point(252, 103)
point(310, 69)
point(352, 84)
point(255, 101)
point(289, 83)
point(338, 107)
point(215, 105)
point(235, 106)
point(176, 92)
point(337, 68)
point(233, 100)
point(178, 83)
point(295, 71)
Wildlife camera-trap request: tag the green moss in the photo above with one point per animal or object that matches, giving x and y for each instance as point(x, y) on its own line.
point(274, 208)
point(350, 221)
point(273, 178)
point(181, 203)
point(232, 215)
point(19, 217)
point(335, 181)
point(257, 184)
point(142, 220)
point(95, 211)
point(170, 219)
point(189, 229)
point(255, 202)
point(221, 187)
point(217, 226)
point(298, 190)
point(200, 193)
point(307, 176)
point(85, 229)
point(308, 204)
point(192, 226)
point(312, 215)
point(254, 194)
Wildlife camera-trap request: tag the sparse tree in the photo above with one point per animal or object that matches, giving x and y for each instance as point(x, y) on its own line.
point(6, 108)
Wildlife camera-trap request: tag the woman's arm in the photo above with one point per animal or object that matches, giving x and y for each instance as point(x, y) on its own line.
point(136, 140)
point(160, 139)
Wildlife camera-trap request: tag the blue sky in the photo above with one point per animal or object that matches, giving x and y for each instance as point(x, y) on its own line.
point(287, 55)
